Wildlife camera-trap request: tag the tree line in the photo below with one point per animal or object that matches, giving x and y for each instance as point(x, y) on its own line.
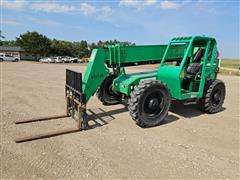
point(41, 46)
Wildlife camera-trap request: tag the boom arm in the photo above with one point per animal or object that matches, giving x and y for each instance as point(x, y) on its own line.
point(96, 72)
point(118, 56)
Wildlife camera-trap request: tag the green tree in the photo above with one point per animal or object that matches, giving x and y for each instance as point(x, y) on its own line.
point(101, 44)
point(34, 43)
point(8, 43)
point(93, 45)
point(61, 48)
point(40, 45)
point(80, 49)
point(84, 49)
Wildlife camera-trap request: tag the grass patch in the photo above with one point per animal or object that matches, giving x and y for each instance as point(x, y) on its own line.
point(230, 63)
point(229, 72)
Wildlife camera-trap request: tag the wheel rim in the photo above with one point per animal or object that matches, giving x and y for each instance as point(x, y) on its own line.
point(216, 97)
point(153, 104)
point(109, 91)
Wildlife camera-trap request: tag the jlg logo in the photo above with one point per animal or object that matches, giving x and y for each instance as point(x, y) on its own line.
point(95, 76)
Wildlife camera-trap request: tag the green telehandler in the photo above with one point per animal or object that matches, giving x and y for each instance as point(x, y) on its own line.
point(187, 71)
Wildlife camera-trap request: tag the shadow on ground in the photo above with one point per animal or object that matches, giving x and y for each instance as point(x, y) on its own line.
point(98, 117)
point(186, 111)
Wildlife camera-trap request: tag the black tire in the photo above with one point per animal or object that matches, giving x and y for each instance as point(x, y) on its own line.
point(149, 103)
point(105, 93)
point(1, 60)
point(213, 96)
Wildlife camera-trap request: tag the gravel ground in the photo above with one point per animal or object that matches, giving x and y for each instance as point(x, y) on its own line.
point(189, 144)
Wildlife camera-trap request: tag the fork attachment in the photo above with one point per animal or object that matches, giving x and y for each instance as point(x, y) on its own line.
point(75, 99)
point(75, 107)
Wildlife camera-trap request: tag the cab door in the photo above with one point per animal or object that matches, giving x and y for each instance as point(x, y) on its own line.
point(196, 68)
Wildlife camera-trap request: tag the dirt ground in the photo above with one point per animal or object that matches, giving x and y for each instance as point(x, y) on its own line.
point(189, 144)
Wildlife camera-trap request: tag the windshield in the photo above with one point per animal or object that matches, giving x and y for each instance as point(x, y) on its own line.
point(175, 54)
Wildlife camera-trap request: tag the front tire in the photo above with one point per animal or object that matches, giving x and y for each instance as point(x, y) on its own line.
point(106, 94)
point(213, 97)
point(149, 103)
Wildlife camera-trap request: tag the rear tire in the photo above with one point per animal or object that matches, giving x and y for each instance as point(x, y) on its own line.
point(105, 93)
point(213, 97)
point(149, 103)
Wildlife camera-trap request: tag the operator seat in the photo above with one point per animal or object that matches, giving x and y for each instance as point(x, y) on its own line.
point(196, 66)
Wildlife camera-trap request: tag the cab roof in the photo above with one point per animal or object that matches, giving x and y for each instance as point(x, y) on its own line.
point(191, 38)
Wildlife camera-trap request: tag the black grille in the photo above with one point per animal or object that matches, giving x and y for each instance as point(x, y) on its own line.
point(74, 80)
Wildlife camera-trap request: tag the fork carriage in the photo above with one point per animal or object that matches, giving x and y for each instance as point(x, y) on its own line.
point(75, 99)
point(75, 108)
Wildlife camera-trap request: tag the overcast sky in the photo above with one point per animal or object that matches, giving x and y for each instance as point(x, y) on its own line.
point(139, 21)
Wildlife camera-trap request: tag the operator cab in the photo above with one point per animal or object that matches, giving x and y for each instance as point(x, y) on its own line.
point(194, 65)
point(193, 70)
point(189, 58)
